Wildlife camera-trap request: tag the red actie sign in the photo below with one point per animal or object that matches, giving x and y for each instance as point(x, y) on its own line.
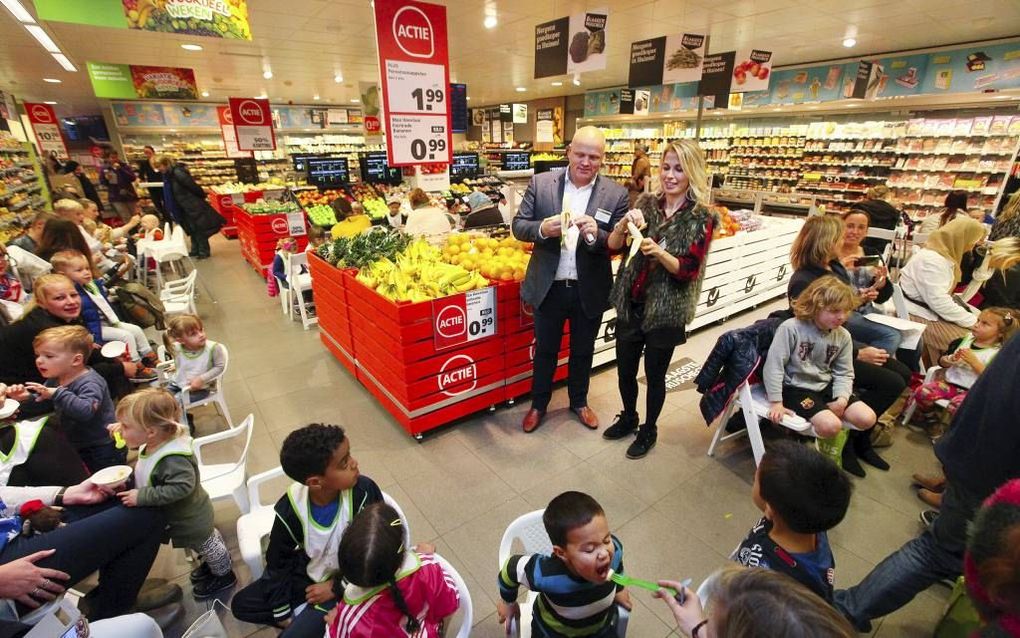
point(228, 134)
point(415, 78)
point(253, 123)
point(47, 132)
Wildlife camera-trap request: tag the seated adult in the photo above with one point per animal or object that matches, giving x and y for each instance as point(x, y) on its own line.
point(120, 542)
point(954, 205)
point(1002, 289)
point(754, 603)
point(881, 214)
point(33, 234)
point(62, 234)
point(56, 304)
point(879, 378)
point(929, 279)
point(484, 211)
point(32, 454)
point(1007, 224)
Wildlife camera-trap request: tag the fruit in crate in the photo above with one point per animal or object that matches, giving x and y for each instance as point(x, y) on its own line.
point(459, 189)
point(418, 274)
point(321, 214)
point(375, 208)
point(312, 197)
point(496, 259)
point(728, 226)
point(262, 207)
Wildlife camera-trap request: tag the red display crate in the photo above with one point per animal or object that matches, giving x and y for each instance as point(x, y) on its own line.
point(258, 235)
point(225, 206)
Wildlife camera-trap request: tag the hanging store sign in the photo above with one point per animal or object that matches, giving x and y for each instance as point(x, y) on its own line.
point(150, 82)
point(209, 18)
point(371, 112)
point(253, 124)
point(717, 75)
point(574, 44)
point(458, 108)
point(414, 64)
point(226, 121)
point(46, 128)
point(667, 60)
point(520, 114)
point(751, 70)
point(544, 126)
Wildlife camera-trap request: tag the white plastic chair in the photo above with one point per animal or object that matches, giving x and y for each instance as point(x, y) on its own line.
point(530, 531)
point(886, 235)
point(227, 480)
point(284, 295)
point(899, 302)
point(466, 607)
point(300, 282)
point(214, 389)
point(754, 405)
point(178, 296)
point(257, 523)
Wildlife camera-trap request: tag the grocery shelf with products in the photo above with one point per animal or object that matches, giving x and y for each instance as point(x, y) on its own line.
point(22, 187)
point(835, 159)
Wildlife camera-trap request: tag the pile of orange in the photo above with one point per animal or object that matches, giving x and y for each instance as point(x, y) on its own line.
point(496, 259)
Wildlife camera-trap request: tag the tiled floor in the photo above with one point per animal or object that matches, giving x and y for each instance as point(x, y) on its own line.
point(678, 512)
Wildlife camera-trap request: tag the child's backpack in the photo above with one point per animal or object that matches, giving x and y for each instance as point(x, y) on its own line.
point(138, 305)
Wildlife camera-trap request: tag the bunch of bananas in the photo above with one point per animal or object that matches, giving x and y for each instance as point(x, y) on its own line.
point(418, 275)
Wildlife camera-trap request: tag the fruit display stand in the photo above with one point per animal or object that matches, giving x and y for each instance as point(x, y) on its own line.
point(226, 205)
point(258, 234)
point(331, 307)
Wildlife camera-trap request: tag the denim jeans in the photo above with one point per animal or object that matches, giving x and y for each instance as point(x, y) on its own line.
point(936, 554)
point(873, 334)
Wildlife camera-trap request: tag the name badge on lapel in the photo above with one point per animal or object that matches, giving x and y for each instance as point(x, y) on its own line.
point(603, 215)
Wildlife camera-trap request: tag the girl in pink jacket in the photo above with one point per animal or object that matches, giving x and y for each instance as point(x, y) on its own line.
point(388, 590)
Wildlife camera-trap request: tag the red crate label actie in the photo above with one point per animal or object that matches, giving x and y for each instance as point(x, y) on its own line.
point(465, 317)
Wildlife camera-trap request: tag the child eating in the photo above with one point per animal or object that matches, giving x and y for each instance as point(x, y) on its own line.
point(99, 315)
point(389, 591)
point(166, 476)
point(576, 597)
point(809, 370)
point(963, 361)
point(803, 495)
point(81, 398)
point(301, 561)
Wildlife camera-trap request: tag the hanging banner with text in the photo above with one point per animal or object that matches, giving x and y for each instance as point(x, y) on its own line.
point(717, 75)
point(46, 128)
point(666, 60)
point(371, 112)
point(415, 72)
point(751, 70)
point(573, 44)
point(129, 81)
point(253, 124)
point(226, 121)
point(209, 18)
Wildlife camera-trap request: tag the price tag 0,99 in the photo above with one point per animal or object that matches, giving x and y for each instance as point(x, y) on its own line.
point(419, 139)
point(481, 313)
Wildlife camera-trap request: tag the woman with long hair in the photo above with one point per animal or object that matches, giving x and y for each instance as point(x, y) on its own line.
point(954, 205)
point(1007, 224)
point(656, 290)
point(63, 234)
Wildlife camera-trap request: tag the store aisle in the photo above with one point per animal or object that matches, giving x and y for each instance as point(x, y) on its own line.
point(677, 512)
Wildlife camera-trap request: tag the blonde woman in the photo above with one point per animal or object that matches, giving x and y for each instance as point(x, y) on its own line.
point(929, 279)
point(1003, 287)
point(656, 291)
point(1007, 223)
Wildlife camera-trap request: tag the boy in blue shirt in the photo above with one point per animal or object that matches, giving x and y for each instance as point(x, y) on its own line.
point(803, 495)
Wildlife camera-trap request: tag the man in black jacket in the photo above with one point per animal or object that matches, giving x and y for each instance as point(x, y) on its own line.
point(569, 276)
point(980, 452)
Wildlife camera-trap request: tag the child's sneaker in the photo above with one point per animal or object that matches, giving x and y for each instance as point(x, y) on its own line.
point(214, 585)
point(201, 573)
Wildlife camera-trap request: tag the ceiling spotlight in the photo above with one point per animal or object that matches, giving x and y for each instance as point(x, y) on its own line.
point(355, 100)
point(557, 83)
point(191, 47)
point(205, 93)
point(577, 79)
point(52, 80)
point(338, 78)
point(849, 42)
point(49, 102)
point(490, 22)
point(268, 74)
point(520, 89)
point(468, 98)
point(261, 96)
point(316, 97)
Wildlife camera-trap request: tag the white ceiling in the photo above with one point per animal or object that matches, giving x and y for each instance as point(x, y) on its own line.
point(307, 41)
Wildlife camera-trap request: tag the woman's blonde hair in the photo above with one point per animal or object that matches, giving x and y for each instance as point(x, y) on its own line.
point(825, 293)
point(163, 159)
point(692, 161)
point(1009, 320)
point(760, 603)
point(879, 191)
point(1004, 253)
point(817, 241)
point(41, 287)
point(1011, 209)
point(180, 326)
point(152, 408)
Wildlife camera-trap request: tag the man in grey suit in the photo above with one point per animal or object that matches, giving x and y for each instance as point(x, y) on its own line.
point(569, 276)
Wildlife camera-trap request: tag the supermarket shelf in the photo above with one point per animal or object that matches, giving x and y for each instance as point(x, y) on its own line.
point(964, 152)
point(851, 176)
point(950, 170)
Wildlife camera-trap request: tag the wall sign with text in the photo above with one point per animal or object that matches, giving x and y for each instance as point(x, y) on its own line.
point(151, 82)
point(414, 65)
point(574, 44)
point(209, 18)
